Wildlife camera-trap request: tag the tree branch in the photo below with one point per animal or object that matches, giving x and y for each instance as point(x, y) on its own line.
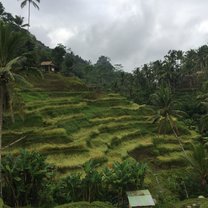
point(11, 144)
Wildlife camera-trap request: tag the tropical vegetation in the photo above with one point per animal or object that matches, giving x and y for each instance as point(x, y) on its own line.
point(90, 132)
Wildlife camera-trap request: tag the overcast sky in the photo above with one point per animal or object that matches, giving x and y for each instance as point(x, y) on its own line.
point(130, 32)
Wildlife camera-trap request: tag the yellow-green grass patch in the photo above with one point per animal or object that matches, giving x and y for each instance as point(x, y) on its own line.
point(124, 148)
point(55, 107)
point(110, 119)
point(172, 158)
point(62, 118)
point(68, 161)
point(130, 106)
point(169, 147)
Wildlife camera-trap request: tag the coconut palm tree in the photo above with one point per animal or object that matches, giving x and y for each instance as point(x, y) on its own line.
point(29, 2)
point(203, 104)
point(166, 113)
point(10, 43)
point(19, 21)
point(198, 160)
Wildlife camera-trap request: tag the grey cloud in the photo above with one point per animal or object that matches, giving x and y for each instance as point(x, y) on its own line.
point(130, 32)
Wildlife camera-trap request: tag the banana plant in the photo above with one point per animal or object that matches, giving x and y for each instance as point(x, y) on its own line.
point(25, 176)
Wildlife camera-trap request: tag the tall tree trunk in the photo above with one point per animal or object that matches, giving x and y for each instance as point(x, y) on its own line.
point(1, 124)
point(29, 15)
point(175, 131)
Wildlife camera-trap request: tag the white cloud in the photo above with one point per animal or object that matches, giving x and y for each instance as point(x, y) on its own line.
point(60, 35)
point(203, 27)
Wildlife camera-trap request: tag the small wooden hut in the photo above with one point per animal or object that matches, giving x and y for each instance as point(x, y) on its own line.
point(48, 66)
point(139, 199)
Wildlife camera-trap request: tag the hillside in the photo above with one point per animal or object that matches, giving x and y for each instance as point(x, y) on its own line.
point(72, 124)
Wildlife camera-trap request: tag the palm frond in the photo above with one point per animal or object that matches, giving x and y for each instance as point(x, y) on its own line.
point(23, 4)
point(35, 5)
point(35, 71)
point(25, 25)
point(203, 123)
point(10, 43)
point(179, 113)
point(9, 66)
point(198, 159)
point(154, 119)
point(21, 80)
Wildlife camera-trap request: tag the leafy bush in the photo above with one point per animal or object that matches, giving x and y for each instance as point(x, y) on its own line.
point(25, 178)
point(121, 177)
point(69, 189)
point(74, 188)
point(109, 184)
point(184, 184)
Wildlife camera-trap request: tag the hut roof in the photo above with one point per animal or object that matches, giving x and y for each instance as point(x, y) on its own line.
point(47, 63)
point(141, 198)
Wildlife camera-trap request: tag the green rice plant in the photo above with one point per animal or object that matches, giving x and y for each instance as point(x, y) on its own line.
point(98, 161)
point(115, 127)
point(93, 134)
point(50, 102)
point(61, 111)
point(32, 96)
point(62, 118)
point(108, 103)
point(115, 142)
point(55, 107)
point(167, 148)
point(76, 149)
point(58, 82)
point(173, 159)
point(131, 136)
point(61, 93)
point(118, 140)
point(35, 135)
point(28, 120)
point(74, 125)
point(128, 106)
point(110, 119)
point(51, 132)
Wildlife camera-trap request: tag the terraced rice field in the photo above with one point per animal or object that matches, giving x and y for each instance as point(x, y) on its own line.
point(71, 128)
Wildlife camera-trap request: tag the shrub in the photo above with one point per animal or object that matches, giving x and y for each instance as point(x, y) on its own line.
point(25, 178)
point(109, 184)
point(74, 188)
point(184, 184)
point(69, 189)
point(128, 175)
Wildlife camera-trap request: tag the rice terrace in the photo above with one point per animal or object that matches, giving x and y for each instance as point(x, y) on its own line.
point(78, 131)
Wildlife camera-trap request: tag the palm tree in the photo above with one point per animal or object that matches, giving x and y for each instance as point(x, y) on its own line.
point(34, 3)
point(19, 21)
point(10, 42)
point(166, 112)
point(198, 159)
point(203, 103)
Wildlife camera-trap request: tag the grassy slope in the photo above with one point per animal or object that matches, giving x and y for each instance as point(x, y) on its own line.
point(202, 202)
point(71, 125)
point(86, 205)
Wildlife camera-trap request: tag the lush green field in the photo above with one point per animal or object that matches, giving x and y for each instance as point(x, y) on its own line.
point(71, 124)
